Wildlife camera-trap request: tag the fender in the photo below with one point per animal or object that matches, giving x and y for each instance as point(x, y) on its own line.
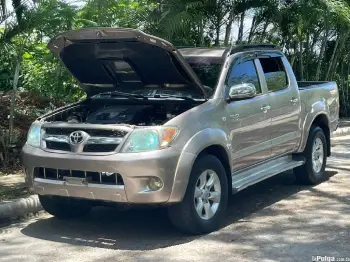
point(195, 145)
point(317, 109)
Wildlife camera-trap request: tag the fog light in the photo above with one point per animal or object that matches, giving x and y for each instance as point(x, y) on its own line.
point(155, 183)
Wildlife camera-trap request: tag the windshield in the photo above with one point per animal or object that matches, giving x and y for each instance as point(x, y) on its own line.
point(207, 69)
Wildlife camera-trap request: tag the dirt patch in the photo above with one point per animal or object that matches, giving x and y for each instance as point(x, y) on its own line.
point(12, 186)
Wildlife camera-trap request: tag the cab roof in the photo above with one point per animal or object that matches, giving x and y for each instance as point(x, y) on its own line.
point(222, 52)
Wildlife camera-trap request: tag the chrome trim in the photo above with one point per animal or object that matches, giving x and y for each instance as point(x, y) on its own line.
point(56, 138)
point(89, 140)
point(104, 140)
point(78, 126)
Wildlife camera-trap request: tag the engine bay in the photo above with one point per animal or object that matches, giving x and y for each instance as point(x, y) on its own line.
point(111, 112)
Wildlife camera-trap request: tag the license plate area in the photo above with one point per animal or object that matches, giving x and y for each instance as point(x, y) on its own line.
point(75, 180)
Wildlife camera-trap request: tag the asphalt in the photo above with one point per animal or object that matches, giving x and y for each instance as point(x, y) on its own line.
point(275, 220)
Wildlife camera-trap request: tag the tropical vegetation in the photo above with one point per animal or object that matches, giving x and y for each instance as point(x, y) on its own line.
point(315, 35)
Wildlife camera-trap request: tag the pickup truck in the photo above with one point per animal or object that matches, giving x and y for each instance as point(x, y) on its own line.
point(180, 128)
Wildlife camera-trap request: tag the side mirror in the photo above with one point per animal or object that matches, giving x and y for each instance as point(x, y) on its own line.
point(241, 91)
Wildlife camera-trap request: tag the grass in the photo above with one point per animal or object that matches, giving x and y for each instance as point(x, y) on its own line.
point(8, 194)
point(12, 186)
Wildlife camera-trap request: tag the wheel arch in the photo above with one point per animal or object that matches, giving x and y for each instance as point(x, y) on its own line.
point(322, 121)
point(208, 141)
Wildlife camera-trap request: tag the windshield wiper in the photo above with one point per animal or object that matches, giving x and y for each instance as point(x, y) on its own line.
point(121, 94)
point(137, 96)
point(174, 96)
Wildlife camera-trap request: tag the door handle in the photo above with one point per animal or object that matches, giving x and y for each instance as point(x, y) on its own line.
point(265, 108)
point(294, 100)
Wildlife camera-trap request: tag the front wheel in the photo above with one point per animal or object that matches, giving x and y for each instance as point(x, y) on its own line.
point(205, 201)
point(313, 171)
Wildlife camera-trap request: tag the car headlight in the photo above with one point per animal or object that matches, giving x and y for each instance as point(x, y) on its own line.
point(148, 139)
point(34, 135)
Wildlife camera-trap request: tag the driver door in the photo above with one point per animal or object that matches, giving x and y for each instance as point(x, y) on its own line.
point(249, 119)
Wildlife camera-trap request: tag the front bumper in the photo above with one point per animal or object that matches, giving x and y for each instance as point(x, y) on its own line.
point(135, 169)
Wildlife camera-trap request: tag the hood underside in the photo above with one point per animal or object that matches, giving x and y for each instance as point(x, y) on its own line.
point(107, 59)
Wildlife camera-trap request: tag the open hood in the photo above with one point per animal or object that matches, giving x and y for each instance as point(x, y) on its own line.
point(106, 59)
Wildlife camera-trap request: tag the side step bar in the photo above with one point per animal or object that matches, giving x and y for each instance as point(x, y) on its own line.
point(251, 176)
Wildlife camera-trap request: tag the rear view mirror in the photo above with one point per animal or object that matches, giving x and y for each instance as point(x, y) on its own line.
point(241, 91)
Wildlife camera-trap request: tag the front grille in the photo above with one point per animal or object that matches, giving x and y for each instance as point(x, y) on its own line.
point(96, 140)
point(90, 177)
point(91, 132)
point(57, 146)
point(100, 148)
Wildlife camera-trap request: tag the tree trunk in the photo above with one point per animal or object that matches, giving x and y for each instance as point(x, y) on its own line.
point(322, 54)
point(218, 21)
point(241, 27)
point(347, 89)
point(3, 8)
point(228, 29)
point(262, 37)
point(331, 62)
point(217, 39)
point(294, 55)
point(252, 30)
point(307, 55)
point(201, 33)
point(13, 96)
point(342, 83)
point(315, 39)
point(338, 54)
point(301, 62)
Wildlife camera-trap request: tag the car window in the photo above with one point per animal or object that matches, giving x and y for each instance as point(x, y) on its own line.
point(275, 73)
point(244, 72)
point(207, 70)
point(207, 73)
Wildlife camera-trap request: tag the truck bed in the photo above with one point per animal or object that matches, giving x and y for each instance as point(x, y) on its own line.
point(321, 95)
point(311, 84)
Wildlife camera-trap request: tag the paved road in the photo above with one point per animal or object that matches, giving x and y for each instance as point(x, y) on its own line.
point(275, 220)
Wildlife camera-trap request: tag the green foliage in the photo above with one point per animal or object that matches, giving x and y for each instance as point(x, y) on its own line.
point(43, 73)
point(313, 33)
point(117, 13)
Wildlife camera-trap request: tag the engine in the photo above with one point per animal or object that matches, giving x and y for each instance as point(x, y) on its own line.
point(141, 115)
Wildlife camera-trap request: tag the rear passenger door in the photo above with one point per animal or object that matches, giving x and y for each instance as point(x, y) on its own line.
point(284, 101)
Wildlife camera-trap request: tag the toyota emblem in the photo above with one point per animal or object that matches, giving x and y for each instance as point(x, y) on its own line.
point(76, 137)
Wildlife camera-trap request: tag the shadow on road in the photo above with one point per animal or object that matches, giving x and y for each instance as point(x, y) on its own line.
point(150, 228)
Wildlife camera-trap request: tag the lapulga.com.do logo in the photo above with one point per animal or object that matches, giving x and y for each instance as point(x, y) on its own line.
point(329, 259)
point(322, 259)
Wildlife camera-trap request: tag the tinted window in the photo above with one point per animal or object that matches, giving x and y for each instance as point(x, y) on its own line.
point(207, 69)
point(275, 73)
point(207, 73)
point(244, 72)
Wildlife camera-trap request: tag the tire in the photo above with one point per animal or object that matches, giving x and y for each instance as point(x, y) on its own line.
point(184, 216)
point(63, 208)
point(308, 174)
